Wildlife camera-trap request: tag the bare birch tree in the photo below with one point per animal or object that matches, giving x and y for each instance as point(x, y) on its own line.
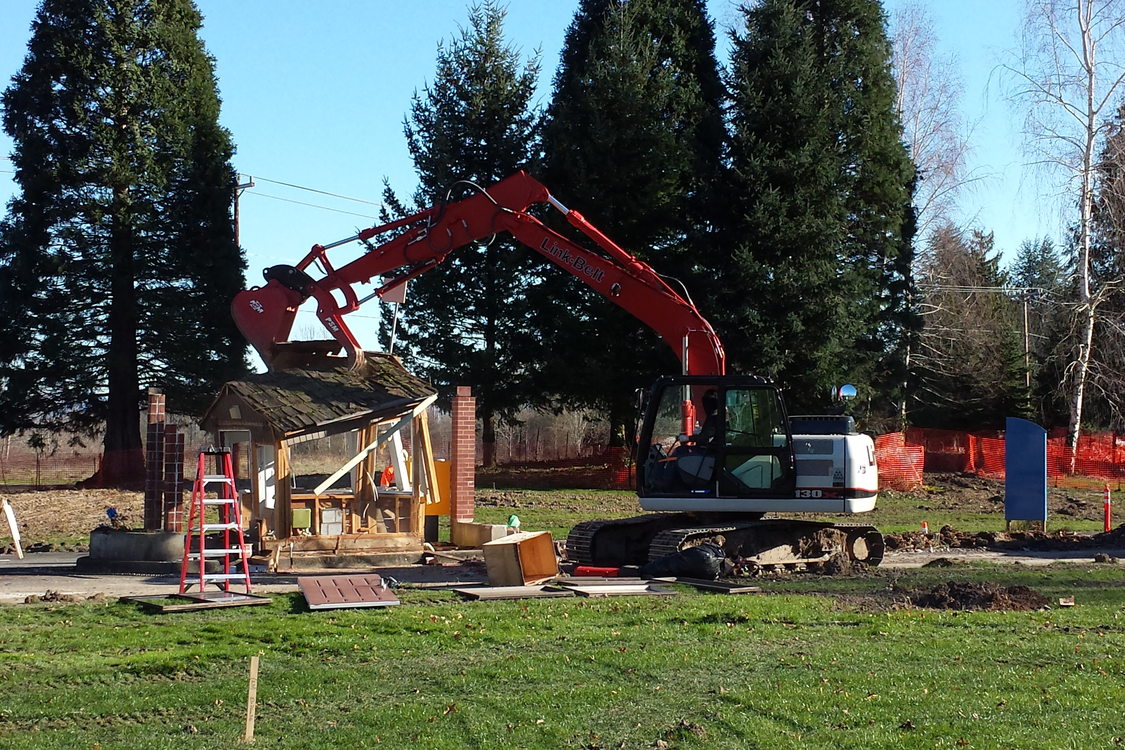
point(929, 105)
point(1069, 74)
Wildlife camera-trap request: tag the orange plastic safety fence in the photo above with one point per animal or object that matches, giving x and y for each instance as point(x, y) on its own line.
point(900, 465)
point(1101, 455)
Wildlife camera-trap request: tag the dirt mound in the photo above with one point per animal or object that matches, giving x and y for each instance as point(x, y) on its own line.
point(56, 597)
point(978, 596)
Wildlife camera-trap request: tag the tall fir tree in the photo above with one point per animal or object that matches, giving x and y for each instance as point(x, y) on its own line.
point(117, 256)
point(816, 255)
point(467, 322)
point(1038, 272)
point(1106, 403)
point(970, 361)
point(634, 140)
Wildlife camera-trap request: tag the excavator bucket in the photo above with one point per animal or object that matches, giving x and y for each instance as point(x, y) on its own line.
point(265, 316)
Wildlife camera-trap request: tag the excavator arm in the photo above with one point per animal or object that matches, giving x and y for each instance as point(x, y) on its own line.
point(420, 242)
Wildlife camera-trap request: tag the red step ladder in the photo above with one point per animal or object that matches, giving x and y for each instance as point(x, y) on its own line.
point(228, 521)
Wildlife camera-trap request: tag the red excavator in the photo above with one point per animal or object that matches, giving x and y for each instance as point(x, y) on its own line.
point(715, 452)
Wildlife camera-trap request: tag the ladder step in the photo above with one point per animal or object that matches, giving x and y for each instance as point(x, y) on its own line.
point(220, 526)
point(218, 553)
point(219, 501)
point(218, 478)
point(216, 577)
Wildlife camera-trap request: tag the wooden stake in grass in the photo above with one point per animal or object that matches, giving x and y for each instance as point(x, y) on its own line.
point(251, 700)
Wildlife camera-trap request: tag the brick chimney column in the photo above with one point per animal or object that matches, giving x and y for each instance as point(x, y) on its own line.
point(463, 455)
point(173, 487)
point(154, 461)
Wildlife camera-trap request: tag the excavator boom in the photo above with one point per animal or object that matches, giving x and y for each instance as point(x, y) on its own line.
point(423, 240)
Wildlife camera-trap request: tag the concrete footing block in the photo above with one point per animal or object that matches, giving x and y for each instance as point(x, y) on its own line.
point(157, 546)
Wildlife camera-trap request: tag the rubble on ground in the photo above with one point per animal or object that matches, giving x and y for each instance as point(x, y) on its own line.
point(52, 596)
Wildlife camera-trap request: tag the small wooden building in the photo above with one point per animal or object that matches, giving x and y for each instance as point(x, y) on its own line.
point(316, 450)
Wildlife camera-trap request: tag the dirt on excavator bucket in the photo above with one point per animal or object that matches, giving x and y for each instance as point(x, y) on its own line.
point(308, 355)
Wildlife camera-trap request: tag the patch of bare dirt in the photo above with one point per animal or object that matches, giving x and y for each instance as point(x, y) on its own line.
point(979, 596)
point(975, 494)
point(563, 475)
point(49, 517)
point(948, 537)
point(520, 498)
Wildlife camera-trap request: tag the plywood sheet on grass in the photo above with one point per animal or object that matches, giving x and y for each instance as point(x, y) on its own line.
point(337, 592)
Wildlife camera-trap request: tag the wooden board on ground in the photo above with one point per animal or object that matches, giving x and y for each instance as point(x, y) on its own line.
point(337, 592)
point(597, 580)
point(721, 586)
point(628, 589)
point(163, 603)
point(495, 593)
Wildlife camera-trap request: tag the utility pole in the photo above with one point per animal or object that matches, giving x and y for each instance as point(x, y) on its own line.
point(1026, 346)
point(238, 190)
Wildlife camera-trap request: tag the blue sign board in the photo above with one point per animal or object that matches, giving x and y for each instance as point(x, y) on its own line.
point(1025, 471)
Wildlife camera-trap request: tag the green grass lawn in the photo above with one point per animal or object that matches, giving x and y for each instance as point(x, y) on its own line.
point(812, 663)
point(558, 510)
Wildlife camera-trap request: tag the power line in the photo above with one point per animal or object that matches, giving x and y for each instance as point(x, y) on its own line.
point(303, 203)
point(993, 289)
point(315, 190)
point(351, 316)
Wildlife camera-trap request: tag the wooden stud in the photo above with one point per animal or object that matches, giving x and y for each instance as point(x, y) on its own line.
point(251, 700)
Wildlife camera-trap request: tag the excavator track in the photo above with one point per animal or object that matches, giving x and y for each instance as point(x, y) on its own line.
point(778, 544)
point(751, 545)
point(621, 541)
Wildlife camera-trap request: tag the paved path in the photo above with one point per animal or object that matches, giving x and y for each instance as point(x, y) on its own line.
point(918, 558)
point(40, 572)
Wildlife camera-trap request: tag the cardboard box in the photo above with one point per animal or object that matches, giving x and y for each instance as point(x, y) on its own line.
point(522, 559)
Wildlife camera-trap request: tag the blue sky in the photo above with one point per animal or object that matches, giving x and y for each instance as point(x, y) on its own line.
point(315, 94)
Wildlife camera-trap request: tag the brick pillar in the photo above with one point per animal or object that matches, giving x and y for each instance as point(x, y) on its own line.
point(173, 485)
point(154, 461)
point(463, 455)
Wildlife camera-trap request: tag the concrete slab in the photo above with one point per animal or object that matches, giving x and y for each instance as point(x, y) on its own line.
point(38, 573)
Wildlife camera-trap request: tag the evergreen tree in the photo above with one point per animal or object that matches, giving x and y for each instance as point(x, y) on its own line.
point(467, 322)
point(970, 360)
point(1106, 407)
point(633, 139)
point(117, 256)
point(1038, 271)
point(817, 251)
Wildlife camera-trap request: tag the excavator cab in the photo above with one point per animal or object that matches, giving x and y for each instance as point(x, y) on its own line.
point(708, 441)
